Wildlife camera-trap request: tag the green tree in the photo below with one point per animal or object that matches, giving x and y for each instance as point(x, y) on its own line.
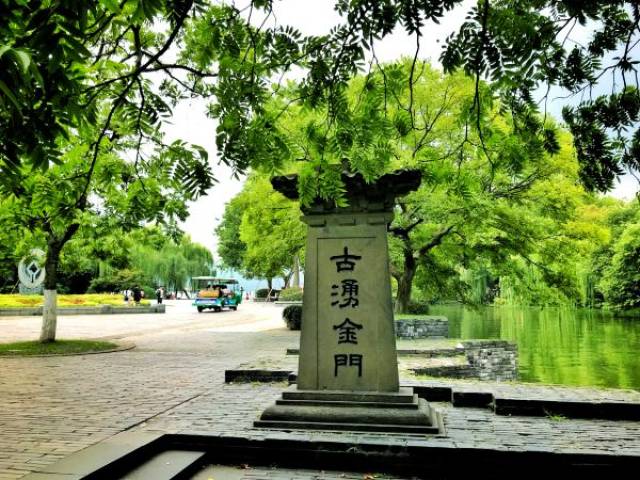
point(620, 262)
point(59, 62)
point(260, 233)
point(84, 71)
point(118, 194)
point(271, 230)
point(153, 259)
point(483, 194)
point(231, 249)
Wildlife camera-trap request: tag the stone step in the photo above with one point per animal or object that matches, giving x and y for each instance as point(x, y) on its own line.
point(353, 427)
point(337, 403)
point(168, 465)
point(347, 417)
point(405, 395)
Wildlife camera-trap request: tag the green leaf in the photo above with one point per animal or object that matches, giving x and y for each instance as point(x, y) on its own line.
point(22, 58)
point(9, 95)
point(111, 5)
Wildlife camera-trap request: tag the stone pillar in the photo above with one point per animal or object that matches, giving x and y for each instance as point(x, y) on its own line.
point(348, 367)
point(347, 340)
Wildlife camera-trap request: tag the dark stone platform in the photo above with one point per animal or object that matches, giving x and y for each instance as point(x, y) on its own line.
point(399, 411)
point(499, 403)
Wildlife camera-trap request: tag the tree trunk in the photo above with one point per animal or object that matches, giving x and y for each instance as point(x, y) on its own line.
point(270, 283)
point(296, 272)
point(50, 308)
point(405, 282)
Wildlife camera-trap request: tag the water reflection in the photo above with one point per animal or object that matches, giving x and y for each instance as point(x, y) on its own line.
point(558, 345)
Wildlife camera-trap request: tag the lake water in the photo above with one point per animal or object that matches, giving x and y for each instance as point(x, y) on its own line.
point(558, 345)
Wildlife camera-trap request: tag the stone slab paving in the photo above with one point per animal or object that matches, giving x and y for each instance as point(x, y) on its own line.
point(51, 407)
point(231, 409)
point(174, 382)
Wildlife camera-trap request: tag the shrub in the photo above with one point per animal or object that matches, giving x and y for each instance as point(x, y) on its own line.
point(262, 293)
point(120, 280)
point(418, 307)
point(149, 292)
point(104, 284)
point(292, 316)
point(291, 294)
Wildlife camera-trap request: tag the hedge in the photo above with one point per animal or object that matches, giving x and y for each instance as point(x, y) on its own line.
point(293, 294)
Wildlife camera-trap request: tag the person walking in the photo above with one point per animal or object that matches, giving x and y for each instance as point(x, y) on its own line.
point(137, 294)
point(159, 293)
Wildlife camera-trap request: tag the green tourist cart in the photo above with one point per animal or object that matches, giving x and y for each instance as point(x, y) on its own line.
point(216, 293)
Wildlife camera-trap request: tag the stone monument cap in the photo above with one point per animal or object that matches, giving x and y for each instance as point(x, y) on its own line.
point(362, 196)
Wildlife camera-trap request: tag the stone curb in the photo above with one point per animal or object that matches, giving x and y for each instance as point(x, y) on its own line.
point(99, 310)
point(121, 347)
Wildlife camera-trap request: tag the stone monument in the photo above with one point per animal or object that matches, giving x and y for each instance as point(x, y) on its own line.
point(348, 370)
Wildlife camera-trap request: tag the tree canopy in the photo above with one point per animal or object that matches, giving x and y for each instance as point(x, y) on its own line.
point(490, 193)
point(91, 63)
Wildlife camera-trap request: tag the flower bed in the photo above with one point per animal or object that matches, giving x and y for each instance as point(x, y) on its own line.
point(85, 300)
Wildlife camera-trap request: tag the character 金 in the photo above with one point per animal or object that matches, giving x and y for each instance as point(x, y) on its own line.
point(348, 331)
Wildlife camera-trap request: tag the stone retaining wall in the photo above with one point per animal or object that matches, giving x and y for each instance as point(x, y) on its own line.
point(424, 327)
point(494, 359)
point(486, 359)
point(100, 310)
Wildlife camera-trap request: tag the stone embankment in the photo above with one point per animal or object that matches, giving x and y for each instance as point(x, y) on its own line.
point(423, 327)
point(486, 359)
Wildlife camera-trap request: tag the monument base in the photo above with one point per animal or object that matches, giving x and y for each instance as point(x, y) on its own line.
point(401, 412)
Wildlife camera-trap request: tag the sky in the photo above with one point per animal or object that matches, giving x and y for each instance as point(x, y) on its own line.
point(310, 17)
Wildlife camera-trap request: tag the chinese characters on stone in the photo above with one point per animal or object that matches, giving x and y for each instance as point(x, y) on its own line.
point(345, 295)
point(349, 293)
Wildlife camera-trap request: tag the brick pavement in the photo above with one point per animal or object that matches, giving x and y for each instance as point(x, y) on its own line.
point(173, 382)
point(51, 407)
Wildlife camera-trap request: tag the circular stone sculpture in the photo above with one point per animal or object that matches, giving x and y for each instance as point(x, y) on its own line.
point(30, 269)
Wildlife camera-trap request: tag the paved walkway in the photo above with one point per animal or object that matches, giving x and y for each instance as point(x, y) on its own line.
point(51, 407)
point(174, 382)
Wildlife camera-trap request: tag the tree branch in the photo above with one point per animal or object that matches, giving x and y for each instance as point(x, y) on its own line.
point(435, 241)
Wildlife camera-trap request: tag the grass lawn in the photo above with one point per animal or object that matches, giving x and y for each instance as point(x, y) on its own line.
point(58, 347)
point(85, 300)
